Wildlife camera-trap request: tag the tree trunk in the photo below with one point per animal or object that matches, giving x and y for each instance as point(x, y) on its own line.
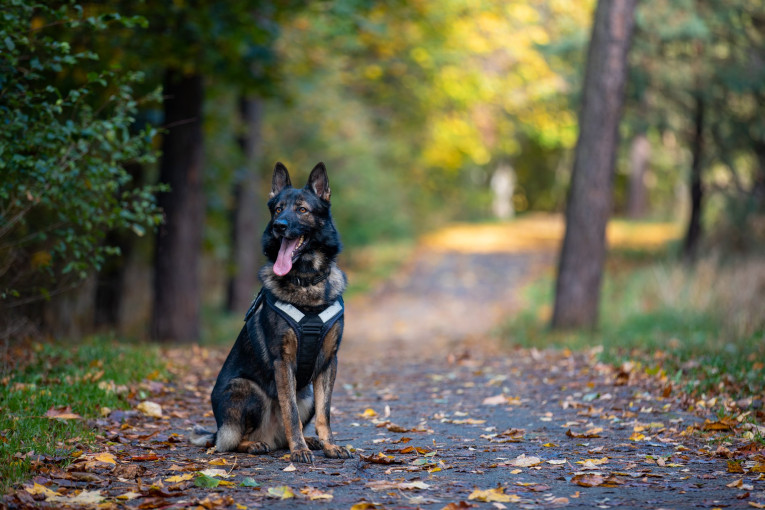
point(582, 257)
point(177, 293)
point(693, 234)
point(246, 218)
point(637, 200)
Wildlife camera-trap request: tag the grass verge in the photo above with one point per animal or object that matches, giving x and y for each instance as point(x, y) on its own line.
point(702, 326)
point(85, 378)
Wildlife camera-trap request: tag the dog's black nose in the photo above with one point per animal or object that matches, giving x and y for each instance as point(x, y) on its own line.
point(280, 226)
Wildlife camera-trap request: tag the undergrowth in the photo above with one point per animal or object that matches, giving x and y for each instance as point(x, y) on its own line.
point(87, 377)
point(704, 325)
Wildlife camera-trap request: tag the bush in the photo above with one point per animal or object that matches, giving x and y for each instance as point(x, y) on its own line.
point(65, 138)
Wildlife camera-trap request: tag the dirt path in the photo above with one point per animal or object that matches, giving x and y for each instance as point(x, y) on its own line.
point(439, 416)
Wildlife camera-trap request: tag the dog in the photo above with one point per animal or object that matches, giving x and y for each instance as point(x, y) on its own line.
point(282, 367)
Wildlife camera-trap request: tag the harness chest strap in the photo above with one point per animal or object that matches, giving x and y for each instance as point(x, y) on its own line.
point(310, 329)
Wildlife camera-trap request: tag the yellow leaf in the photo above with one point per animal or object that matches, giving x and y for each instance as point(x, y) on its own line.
point(105, 457)
point(366, 505)
point(280, 492)
point(41, 489)
point(637, 436)
point(179, 478)
point(593, 462)
point(368, 413)
point(220, 461)
point(490, 495)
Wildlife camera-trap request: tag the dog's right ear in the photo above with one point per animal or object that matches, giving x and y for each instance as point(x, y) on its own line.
point(280, 180)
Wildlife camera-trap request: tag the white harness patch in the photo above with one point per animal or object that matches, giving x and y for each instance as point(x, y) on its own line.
point(297, 315)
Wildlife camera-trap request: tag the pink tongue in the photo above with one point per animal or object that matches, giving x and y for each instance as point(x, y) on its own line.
point(283, 262)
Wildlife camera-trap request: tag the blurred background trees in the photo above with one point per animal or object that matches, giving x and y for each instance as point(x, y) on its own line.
point(413, 105)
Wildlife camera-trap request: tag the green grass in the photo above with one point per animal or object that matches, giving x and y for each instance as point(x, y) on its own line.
point(703, 327)
point(86, 376)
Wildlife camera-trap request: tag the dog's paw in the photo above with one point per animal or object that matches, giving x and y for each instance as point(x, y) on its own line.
point(334, 451)
point(304, 456)
point(258, 447)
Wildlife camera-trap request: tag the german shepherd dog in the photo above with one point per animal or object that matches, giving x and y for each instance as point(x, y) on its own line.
point(274, 380)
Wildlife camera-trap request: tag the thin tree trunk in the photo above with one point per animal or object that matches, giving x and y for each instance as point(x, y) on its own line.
point(637, 200)
point(247, 218)
point(583, 253)
point(177, 293)
point(693, 234)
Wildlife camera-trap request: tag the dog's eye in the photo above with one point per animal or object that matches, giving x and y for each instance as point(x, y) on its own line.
point(278, 210)
point(303, 210)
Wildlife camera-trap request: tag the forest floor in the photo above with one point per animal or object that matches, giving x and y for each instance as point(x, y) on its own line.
point(439, 414)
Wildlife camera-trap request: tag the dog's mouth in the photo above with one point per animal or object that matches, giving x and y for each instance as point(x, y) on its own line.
point(289, 251)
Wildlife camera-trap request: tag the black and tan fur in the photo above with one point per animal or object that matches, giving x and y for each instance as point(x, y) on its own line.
point(256, 403)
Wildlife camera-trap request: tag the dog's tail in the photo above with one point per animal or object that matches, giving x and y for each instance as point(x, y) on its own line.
point(202, 437)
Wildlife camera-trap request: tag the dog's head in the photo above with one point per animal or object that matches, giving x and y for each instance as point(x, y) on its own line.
point(301, 232)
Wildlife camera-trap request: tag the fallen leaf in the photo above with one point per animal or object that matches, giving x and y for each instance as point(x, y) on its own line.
point(556, 462)
point(216, 473)
point(637, 436)
point(289, 468)
point(383, 485)
point(495, 400)
point(105, 457)
point(588, 480)
point(280, 492)
point(490, 495)
point(523, 461)
point(589, 434)
point(129, 495)
point(315, 494)
point(41, 489)
point(368, 413)
point(206, 482)
point(179, 478)
point(62, 413)
point(366, 505)
point(380, 458)
point(220, 461)
point(735, 467)
point(592, 463)
point(249, 482)
point(150, 409)
point(459, 506)
point(83, 498)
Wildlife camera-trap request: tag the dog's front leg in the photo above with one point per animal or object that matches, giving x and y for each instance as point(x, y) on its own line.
point(286, 392)
point(322, 390)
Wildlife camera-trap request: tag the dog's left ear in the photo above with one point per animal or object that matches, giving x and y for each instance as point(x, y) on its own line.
point(318, 182)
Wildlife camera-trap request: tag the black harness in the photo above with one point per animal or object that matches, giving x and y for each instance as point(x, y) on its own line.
point(310, 328)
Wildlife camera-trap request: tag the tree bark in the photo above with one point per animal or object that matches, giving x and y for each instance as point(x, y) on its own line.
point(246, 218)
point(177, 293)
point(637, 200)
point(693, 233)
point(582, 257)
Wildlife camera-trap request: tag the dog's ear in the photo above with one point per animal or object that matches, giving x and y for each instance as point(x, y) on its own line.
point(318, 182)
point(280, 180)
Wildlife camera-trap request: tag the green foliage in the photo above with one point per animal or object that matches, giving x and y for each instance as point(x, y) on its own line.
point(704, 326)
point(86, 377)
point(63, 153)
point(709, 52)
